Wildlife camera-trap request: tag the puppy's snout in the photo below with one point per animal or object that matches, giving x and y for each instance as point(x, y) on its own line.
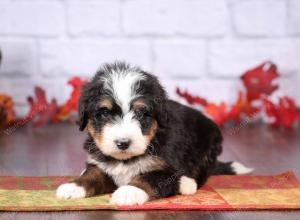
point(123, 143)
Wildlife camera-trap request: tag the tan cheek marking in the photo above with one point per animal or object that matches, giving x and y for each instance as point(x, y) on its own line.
point(105, 103)
point(96, 136)
point(152, 131)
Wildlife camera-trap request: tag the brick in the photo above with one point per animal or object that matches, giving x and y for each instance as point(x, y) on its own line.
point(231, 58)
point(32, 18)
point(94, 18)
point(85, 57)
point(180, 58)
point(19, 57)
point(294, 17)
point(260, 18)
point(166, 17)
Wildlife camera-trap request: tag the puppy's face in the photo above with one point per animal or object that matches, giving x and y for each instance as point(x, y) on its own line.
point(123, 115)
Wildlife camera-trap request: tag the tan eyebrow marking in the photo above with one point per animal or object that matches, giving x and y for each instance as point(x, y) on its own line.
point(139, 104)
point(105, 103)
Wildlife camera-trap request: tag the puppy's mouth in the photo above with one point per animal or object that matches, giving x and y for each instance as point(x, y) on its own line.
point(123, 155)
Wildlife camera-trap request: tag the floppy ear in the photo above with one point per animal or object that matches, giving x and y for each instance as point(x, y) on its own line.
point(82, 108)
point(83, 115)
point(161, 110)
point(89, 95)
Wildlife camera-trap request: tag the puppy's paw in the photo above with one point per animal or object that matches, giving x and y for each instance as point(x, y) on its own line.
point(129, 195)
point(70, 191)
point(187, 185)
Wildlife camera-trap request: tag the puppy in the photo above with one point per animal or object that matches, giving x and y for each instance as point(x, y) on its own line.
point(141, 145)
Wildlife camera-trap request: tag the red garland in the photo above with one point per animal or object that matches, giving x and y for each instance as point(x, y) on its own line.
point(258, 83)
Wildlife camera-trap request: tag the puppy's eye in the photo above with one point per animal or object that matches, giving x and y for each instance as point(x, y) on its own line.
point(141, 113)
point(105, 112)
point(102, 113)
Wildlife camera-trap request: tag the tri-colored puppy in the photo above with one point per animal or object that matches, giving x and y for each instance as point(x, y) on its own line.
point(141, 145)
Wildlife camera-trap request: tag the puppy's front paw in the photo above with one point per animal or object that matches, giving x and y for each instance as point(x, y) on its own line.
point(129, 195)
point(70, 191)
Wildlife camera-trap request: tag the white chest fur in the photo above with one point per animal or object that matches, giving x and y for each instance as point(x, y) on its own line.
point(123, 173)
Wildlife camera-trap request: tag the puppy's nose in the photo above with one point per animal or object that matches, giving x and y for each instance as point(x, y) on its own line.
point(123, 143)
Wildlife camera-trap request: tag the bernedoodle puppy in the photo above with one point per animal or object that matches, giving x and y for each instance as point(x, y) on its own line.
point(141, 145)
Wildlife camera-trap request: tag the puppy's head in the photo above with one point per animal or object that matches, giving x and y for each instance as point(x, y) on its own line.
point(122, 109)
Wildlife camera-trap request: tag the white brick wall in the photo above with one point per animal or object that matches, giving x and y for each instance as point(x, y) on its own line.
point(231, 57)
point(175, 17)
point(202, 45)
point(28, 18)
point(179, 58)
point(83, 57)
point(96, 18)
point(260, 18)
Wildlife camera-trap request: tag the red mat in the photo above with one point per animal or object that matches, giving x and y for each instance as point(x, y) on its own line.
point(219, 193)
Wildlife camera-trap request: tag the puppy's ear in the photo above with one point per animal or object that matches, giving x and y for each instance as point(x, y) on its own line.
point(83, 115)
point(82, 108)
point(160, 100)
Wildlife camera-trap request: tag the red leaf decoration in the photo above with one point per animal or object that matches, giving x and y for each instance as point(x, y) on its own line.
point(242, 105)
point(217, 112)
point(76, 83)
point(41, 111)
point(259, 80)
point(71, 104)
point(7, 113)
point(285, 114)
point(192, 100)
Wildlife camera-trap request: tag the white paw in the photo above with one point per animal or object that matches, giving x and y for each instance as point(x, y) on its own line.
point(70, 191)
point(187, 185)
point(129, 195)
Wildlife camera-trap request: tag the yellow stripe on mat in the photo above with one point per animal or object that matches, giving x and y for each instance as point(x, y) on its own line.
point(261, 197)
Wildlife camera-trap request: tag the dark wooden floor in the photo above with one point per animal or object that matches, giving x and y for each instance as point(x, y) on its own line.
point(57, 150)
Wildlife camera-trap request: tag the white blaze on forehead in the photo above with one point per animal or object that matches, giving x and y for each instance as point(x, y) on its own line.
point(122, 87)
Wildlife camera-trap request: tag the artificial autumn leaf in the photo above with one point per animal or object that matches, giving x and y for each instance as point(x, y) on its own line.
point(242, 105)
point(76, 83)
point(2, 117)
point(63, 114)
point(259, 80)
point(192, 100)
point(7, 114)
point(71, 104)
point(217, 112)
point(41, 111)
point(285, 114)
point(234, 114)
